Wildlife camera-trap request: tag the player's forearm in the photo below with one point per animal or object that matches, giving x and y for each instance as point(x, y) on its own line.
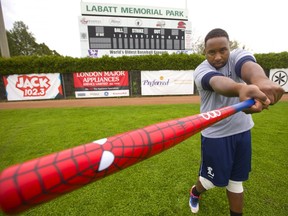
point(226, 86)
point(252, 73)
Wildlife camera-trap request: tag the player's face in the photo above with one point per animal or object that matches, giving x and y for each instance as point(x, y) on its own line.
point(217, 51)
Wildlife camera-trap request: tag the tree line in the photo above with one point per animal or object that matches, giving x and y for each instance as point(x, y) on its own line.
point(21, 42)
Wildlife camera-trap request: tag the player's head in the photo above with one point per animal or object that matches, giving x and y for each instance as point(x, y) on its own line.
point(217, 49)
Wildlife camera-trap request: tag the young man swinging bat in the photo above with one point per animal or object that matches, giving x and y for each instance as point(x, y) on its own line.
point(223, 79)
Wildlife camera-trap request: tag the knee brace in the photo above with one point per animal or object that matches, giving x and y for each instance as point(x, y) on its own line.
point(207, 184)
point(235, 186)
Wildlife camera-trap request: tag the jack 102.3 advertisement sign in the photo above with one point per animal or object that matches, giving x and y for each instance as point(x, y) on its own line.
point(101, 84)
point(117, 30)
point(33, 86)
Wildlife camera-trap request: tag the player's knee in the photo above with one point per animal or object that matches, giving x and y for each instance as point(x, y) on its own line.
point(207, 184)
point(235, 186)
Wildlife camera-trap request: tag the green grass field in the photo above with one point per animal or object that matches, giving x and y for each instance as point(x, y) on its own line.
point(159, 185)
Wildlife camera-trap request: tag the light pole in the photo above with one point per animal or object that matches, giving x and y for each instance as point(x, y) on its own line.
point(3, 37)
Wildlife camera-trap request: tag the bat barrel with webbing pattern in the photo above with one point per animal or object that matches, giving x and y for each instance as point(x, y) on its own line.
point(31, 183)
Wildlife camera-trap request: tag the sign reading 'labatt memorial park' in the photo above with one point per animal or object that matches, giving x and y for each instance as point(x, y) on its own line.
point(139, 11)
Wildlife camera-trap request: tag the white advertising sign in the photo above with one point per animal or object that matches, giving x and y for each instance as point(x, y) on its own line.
point(167, 82)
point(280, 76)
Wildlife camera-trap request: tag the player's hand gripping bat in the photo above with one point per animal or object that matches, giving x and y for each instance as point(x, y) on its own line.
point(31, 183)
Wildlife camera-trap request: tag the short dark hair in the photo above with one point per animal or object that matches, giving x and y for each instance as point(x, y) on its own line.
point(217, 32)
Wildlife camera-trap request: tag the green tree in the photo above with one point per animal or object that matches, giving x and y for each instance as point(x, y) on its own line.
point(23, 43)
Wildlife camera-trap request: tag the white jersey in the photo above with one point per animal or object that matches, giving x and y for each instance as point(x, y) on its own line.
point(211, 100)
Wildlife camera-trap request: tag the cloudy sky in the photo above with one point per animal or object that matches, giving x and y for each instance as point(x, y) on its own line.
point(260, 25)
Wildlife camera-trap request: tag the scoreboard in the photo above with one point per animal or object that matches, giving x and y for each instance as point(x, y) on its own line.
point(106, 37)
point(116, 36)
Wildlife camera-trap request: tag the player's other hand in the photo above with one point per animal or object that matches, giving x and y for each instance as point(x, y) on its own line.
point(273, 91)
point(261, 100)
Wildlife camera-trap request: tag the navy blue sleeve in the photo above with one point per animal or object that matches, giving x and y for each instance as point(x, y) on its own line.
point(206, 78)
point(239, 64)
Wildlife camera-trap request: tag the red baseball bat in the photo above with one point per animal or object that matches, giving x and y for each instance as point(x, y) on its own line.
point(31, 183)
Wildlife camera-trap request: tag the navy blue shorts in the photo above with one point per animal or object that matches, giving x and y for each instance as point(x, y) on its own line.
point(226, 158)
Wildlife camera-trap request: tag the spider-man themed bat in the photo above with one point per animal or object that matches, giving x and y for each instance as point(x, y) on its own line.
point(28, 184)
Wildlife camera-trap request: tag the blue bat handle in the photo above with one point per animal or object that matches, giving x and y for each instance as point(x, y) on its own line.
point(244, 105)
